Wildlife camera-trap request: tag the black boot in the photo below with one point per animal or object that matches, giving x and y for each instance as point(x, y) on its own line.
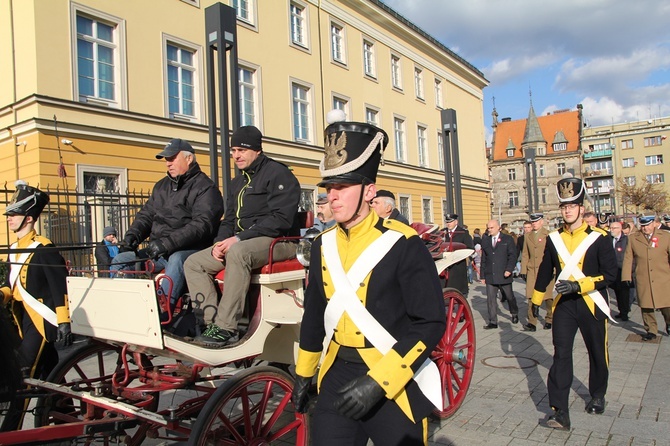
point(559, 420)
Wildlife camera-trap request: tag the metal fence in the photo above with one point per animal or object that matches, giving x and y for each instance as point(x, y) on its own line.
point(73, 218)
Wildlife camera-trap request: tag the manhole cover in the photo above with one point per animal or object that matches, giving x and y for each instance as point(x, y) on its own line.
point(634, 337)
point(509, 362)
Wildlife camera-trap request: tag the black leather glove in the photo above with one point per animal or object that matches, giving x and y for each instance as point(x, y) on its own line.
point(536, 310)
point(358, 397)
point(64, 336)
point(129, 243)
point(299, 396)
point(567, 287)
point(523, 276)
point(156, 249)
point(628, 283)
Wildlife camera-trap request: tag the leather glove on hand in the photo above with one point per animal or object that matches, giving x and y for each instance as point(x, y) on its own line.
point(64, 335)
point(300, 396)
point(523, 276)
point(358, 397)
point(129, 243)
point(628, 283)
point(535, 310)
point(567, 287)
point(156, 249)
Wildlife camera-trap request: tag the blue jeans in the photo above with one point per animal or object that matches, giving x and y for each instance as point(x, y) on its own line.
point(173, 266)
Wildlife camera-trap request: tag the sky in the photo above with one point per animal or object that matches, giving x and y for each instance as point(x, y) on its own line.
point(611, 56)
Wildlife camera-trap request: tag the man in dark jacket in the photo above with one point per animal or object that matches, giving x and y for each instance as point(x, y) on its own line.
point(262, 204)
point(384, 205)
point(180, 218)
point(458, 272)
point(621, 288)
point(497, 266)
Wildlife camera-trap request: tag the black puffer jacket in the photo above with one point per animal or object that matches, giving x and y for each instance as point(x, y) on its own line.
point(183, 212)
point(262, 201)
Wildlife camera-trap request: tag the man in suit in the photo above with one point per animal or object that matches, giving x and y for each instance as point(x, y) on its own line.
point(581, 259)
point(498, 260)
point(621, 288)
point(457, 274)
point(384, 205)
point(531, 257)
point(649, 249)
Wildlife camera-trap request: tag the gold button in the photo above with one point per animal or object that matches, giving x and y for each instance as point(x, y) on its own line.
point(404, 366)
point(358, 332)
point(362, 284)
point(386, 383)
point(323, 267)
point(419, 350)
point(335, 329)
point(325, 284)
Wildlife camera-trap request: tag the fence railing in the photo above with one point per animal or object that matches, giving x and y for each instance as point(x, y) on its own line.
point(74, 218)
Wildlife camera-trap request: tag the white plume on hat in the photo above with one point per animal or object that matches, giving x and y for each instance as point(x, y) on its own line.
point(336, 115)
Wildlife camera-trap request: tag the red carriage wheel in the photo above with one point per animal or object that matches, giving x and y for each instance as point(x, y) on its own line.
point(251, 408)
point(455, 353)
point(86, 368)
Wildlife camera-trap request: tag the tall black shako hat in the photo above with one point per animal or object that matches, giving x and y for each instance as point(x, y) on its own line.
point(353, 151)
point(570, 190)
point(27, 200)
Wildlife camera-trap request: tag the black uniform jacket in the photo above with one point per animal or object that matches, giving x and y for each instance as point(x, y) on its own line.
point(458, 272)
point(183, 212)
point(497, 260)
point(598, 265)
point(262, 202)
point(44, 277)
point(402, 292)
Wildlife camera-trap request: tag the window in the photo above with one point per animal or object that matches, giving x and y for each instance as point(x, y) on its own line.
point(628, 162)
point(560, 168)
point(298, 24)
point(427, 210)
point(653, 160)
point(99, 61)
point(656, 178)
point(369, 58)
point(511, 174)
point(602, 167)
point(248, 96)
point(181, 81)
point(337, 43)
point(560, 146)
point(418, 82)
point(404, 206)
point(600, 146)
point(307, 200)
point(244, 10)
point(510, 153)
point(105, 182)
point(627, 144)
point(372, 116)
point(438, 93)
point(422, 146)
point(301, 112)
point(652, 141)
point(396, 72)
point(541, 151)
point(340, 103)
point(540, 170)
point(399, 133)
point(543, 195)
point(629, 181)
point(513, 198)
point(440, 151)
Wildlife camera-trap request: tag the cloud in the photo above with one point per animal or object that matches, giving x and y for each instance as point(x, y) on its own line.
point(503, 70)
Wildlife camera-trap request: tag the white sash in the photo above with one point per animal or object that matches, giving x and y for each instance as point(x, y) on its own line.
point(570, 268)
point(15, 268)
point(345, 299)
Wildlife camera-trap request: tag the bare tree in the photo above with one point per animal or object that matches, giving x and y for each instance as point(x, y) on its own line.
point(645, 196)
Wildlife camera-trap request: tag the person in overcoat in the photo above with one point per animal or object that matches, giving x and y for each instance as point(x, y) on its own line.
point(649, 248)
point(497, 266)
point(531, 257)
point(457, 274)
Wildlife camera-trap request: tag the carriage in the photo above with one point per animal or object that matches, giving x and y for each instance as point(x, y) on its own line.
point(133, 380)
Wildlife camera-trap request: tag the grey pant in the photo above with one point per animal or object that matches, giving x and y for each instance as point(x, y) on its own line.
point(242, 257)
point(492, 300)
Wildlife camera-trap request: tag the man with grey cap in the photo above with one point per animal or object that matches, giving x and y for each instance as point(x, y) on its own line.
point(180, 218)
point(261, 205)
point(324, 214)
point(384, 205)
point(106, 251)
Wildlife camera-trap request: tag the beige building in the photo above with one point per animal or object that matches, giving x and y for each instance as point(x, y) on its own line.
point(629, 152)
point(123, 77)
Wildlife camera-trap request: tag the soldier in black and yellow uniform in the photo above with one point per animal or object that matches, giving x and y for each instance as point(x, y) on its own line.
point(36, 285)
point(583, 261)
point(374, 300)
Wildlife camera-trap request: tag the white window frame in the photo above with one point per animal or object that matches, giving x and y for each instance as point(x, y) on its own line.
point(652, 141)
point(422, 144)
point(655, 178)
point(256, 85)
point(396, 72)
point(400, 139)
point(308, 102)
point(629, 180)
point(510, 153)
point(513, 199)
point(628, 162)
point(418, 83)
point(338, 41)
point(427, 209)
point(121, 82)
point(440, 150)
point(438, 94)
point(195, 3)
point(341, 102)
point(561, 168)
point(302, 42)
point(540, 170)
point(250, 18)
point(626, 144)
point(83, 169)
point(198, 72)
point(511, 174)
point(653, 160)
point(407, 212)
point(375, 111)
point(369, 62)
point(543, 195)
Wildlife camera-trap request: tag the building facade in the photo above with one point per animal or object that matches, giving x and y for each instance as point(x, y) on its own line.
point(92, 89)
point(527, 157)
